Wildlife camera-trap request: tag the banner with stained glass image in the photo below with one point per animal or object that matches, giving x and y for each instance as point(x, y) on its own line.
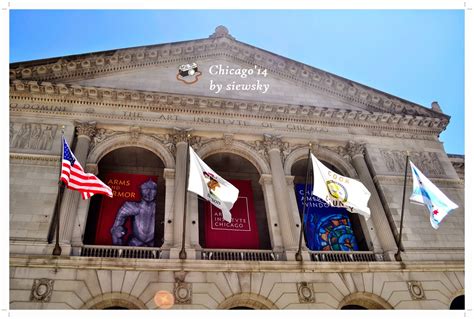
point(326, 228)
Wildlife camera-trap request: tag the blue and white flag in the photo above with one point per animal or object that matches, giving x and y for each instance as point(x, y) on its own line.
point(426, 193)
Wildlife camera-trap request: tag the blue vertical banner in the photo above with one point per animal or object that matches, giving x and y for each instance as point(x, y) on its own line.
point(326, 228)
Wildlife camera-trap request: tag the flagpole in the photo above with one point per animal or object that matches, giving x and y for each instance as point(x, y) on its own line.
point(57, 249)
point(182, 253)
point(298, 256)
point(399, 241)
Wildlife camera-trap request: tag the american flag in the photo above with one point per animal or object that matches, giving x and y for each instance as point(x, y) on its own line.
point(74, 177)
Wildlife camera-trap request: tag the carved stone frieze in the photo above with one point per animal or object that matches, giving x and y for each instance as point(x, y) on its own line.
point(430, 126)
point(42, 290)
point(86, 129)
point(427, 162)
point(34, 136)
point(305, 292)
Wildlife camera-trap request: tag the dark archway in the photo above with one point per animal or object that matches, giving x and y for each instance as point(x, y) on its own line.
point(353, 307)
point(457, 303)
point(234, 167)
point(298, 170)
point(129, 160)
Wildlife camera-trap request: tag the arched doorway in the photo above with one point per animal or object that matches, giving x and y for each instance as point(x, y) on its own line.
point(126, 170)
point(245, 176)
point(457, 303)
point(363, 300)
point(343, 230)
point(353, 307)
point(249, 301)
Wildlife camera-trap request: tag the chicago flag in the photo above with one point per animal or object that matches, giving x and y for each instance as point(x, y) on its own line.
point(426, 193)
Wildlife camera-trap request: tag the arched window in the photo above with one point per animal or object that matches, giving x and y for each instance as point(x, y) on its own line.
point(136, 178)
point(249, 227)
point(353, 307)
point(326, 228)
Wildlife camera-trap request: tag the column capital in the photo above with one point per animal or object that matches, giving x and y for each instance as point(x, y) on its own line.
point(168, 173)
point(355, 149)
point(180, 135)
point(271, 142)
point(265, 179)
point(85, 129)
point(290, 180)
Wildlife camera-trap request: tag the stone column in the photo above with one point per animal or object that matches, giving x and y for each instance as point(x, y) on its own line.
point(288, 228)
point(70, 200)
point(378, 216)
point(272, 214)
point(180, 138)
point(169, 175)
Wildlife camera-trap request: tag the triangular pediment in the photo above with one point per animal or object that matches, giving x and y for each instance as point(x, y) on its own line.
point(220, 77)
point(155, 69)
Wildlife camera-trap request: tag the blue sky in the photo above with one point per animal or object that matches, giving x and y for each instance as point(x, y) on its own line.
point(417, 55)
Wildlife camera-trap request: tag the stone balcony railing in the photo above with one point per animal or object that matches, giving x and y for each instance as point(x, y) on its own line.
point(226, 254)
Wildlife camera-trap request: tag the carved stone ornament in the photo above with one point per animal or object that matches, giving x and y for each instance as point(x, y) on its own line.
point(183, 292)
point(228, 140)
point(85, 128)
point(34, 136)
point(101, 135)
point(355, 149)
point(416, 290)
point(305, 292)
point(427, 162)
point(135, 132)
point(42, 290)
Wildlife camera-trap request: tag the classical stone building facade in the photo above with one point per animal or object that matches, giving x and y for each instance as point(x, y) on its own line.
point(133, 111)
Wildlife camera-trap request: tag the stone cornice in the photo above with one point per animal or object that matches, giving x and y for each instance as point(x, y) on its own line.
point(35, 159)
point(100, 63)
point(398, 180)
point(230, 266)
point(143, 101)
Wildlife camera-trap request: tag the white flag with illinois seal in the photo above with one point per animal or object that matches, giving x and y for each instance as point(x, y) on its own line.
point(338, 190)
point(207, 184)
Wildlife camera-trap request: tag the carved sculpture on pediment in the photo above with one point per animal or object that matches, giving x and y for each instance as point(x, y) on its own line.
point(22, 136)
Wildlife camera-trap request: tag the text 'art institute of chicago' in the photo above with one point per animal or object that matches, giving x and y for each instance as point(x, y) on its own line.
point(253, 117)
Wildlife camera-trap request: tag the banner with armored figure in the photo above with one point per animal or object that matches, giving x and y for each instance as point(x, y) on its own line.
point(128, 219)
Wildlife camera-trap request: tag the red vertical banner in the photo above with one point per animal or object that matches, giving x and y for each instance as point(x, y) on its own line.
point(125, 188)
point(241, 232)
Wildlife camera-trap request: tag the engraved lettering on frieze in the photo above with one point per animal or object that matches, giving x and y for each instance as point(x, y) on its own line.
point(404, 135)
point(16, 106)
point(42, 290)
point(132, 114)
point(305, 128)
point(427, 162)
point(208, 120)
point(33, 136)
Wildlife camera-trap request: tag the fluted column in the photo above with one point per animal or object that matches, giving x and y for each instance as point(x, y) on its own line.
point(288, 228)
point(272, 214)
point(70, 200)
point(378, 216)
point(169, 176)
